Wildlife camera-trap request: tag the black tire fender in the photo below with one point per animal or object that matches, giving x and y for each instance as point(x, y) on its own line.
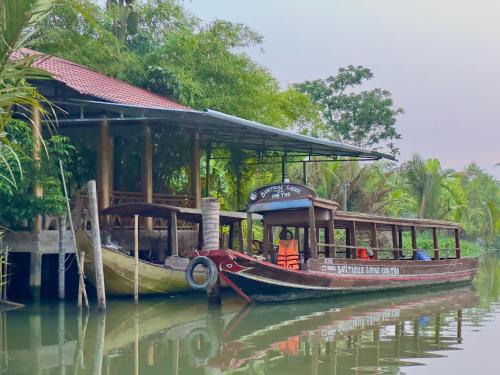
point(213, 273)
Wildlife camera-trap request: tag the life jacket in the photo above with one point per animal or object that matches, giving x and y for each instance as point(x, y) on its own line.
point(288, 254)
point(362, 254)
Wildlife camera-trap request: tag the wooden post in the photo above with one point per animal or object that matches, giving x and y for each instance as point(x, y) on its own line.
point(353, 241)
point(195, 170)
point(174, 237)
point(457, 244)
point(312, 233)
point(400, 243)
point(304, 173)
point(306, 244)
point(249, 234)
point(60, 337)
point(81, 286)
point(136, 258)
point(414, 241)
point(265, 241)
point(240, 236)
point(96, 245)
point(395, 241)
point(297, 236)
point(231, 236)
point(36, 270)
point(436, 243)
point(374, 241)
point(147, 173)
point(207, 169)
point(270, 243)
point(348, 252)
point(283, 167)
point(99, 351)
point(62, 256)
point(332, 252)
point(210, 212)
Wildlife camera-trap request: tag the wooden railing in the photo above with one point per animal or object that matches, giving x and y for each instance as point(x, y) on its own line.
point(80, 209)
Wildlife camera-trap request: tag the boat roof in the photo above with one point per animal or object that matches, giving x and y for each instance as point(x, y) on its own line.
point(162, 210)
point(278, 201)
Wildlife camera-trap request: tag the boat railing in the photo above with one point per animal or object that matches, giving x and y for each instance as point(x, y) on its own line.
point(398, 253)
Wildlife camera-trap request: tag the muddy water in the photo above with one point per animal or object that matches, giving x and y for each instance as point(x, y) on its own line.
point(439, 331)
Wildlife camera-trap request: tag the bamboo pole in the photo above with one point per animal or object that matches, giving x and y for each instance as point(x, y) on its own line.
point(62, 256)
point(100, 333)
point(61, 338)
point(81, 286)
point(136, 258)
point(136, 341)
point(96, 245)
point(5, 278)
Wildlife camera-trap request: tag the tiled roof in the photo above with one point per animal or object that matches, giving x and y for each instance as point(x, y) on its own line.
point(89, 82)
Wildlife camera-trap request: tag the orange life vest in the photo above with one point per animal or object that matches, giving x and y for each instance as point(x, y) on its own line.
point(361, 253)
point(288, 254)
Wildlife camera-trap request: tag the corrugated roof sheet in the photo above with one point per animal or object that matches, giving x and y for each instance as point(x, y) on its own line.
point(89, 82)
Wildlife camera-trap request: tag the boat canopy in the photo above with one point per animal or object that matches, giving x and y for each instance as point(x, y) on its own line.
point(161, 210)
point(272, 200)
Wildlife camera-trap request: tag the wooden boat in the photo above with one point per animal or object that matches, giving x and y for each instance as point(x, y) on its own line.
point(329, 268)
point(164, 275)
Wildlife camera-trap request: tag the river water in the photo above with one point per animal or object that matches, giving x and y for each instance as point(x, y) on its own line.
point(438, 331)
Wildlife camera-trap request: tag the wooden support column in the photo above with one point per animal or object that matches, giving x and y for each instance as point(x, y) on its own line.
point(312, 233)
point(283, 167)
point(147, 172)
point(436, 243)
point(195, 170)
point(103, 166)
point(374, 240)
point(306, 244)
point(457, 243)
point(414, 241)
point(348, 242)
point(265, 240)
point(239, 232)
point(395, 241)
point(249, 234)
point(304, 173)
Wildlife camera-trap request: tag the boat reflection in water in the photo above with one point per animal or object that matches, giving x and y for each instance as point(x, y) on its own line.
point(372, 335)
point(182, 335)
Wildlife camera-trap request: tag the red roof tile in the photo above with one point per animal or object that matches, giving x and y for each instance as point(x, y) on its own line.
point(89, 82)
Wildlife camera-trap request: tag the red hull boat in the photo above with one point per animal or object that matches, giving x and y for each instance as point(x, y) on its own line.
point(312, 261)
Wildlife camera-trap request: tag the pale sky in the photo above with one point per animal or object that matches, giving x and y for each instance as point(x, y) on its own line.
point(440, 59)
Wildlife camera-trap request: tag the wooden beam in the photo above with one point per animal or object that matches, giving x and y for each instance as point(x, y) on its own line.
point(208, 156)
point(414, 241)
point(400, 243)
point(436, 243)
point(374, 240)
point(395, 241)
point(458, 250)
point(147, 172)
point(195, 170)
point(312, 233)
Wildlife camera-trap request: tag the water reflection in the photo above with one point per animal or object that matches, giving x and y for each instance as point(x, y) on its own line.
point(375, 334)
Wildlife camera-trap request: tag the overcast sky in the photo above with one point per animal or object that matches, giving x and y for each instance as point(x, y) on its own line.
point(440, 59)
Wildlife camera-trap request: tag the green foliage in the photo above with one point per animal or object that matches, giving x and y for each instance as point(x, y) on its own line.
point(19, 205)
point(366, 118)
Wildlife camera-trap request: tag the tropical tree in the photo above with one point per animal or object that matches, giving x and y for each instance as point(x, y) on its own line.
point(18, 22)
point(366, 118)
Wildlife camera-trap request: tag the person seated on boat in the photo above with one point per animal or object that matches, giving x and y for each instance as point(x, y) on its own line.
point(288, 252)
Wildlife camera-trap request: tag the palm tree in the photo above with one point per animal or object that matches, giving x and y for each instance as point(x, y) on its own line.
point(18, 23)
